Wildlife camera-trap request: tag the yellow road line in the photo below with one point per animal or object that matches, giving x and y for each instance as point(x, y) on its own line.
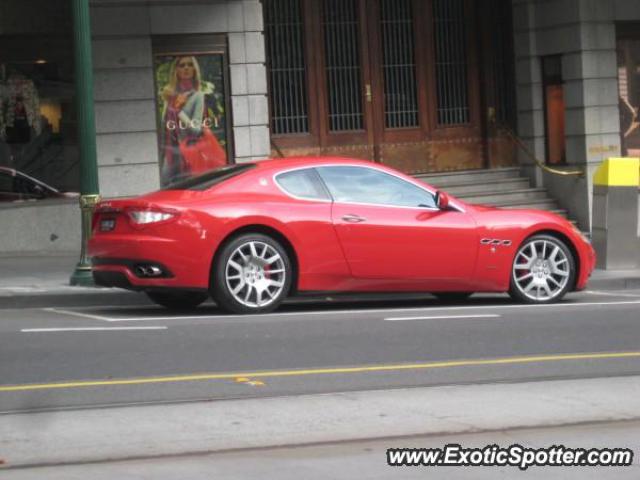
point(325, 371)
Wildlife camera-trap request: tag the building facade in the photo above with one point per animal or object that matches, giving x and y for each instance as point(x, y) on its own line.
point(425, 86)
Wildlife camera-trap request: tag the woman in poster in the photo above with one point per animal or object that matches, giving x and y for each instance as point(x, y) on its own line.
point(189, 146)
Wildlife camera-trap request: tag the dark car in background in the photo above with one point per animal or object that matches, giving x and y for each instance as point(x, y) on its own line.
point(17, 186)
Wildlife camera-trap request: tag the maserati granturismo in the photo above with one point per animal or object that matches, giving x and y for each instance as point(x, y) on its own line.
point(251, 234)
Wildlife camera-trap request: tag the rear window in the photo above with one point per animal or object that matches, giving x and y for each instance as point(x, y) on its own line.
point(209, 179)
point(303, 184)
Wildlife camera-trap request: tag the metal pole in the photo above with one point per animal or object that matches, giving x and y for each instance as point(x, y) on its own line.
point(89, 190)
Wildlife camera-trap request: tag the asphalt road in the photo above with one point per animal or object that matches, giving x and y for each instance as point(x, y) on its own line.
point(100, 356)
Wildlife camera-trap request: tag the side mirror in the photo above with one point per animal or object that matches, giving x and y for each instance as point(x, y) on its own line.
point(39, 191)
point(442, 200)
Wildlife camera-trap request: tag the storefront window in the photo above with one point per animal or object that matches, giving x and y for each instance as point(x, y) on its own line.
point(39, 157)
point(191, 112)
point(37, 122)
point(629, 88)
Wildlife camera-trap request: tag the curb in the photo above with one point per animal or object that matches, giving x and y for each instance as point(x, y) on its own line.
point(619, 283)
point(71, 299)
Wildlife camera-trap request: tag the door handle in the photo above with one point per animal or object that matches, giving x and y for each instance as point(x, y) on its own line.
point(367, 93)
point(352, 218)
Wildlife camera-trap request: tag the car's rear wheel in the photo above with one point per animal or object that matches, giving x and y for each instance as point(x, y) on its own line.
point(252, 274)
point(543, 270)
point(178, 300)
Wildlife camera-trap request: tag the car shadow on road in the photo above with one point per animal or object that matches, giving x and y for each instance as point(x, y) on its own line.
point(320, 303)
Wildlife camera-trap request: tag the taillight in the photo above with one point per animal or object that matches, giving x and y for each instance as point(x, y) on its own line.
point(149, 216)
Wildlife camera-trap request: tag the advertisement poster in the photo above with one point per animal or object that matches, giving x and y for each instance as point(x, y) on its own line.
point(191, 114)
point(629, 91)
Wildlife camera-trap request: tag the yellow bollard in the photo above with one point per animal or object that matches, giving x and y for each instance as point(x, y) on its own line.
point(615, 213)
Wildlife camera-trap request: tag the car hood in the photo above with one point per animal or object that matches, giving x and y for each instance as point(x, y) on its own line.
point(518, 216)
point(483, 208)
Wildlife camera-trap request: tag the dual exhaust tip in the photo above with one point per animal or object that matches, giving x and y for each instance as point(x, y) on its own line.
point(148, 271)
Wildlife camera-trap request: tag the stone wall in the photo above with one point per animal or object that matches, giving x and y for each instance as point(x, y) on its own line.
point(51, 226)
point(124, 85)
point(584, 33)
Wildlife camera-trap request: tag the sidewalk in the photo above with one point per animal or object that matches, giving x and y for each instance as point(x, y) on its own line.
point(364, 459)
point(43, 281)
point(93, 435)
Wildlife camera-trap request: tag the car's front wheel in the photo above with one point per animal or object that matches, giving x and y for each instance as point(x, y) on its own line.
point(178, 300)
point(252, 274)
point(543, 270)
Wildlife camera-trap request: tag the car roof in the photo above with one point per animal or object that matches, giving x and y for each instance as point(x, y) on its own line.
point(289, 162)
point(16, 173)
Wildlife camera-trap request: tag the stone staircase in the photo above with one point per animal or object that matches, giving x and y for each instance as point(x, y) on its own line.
point(501, 187)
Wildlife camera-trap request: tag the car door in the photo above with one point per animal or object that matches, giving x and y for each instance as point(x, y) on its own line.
point(28, 189)
point(7, 191)
point(391, 228)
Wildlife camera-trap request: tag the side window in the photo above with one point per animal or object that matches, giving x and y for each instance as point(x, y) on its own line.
point(302, 183)
point(6, 183)
point(366, 185)
point(24, 186)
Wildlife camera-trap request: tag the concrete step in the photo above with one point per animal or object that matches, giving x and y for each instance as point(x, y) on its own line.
point(545, 204)
point(562, 212)
point(502, 187)
point(499, 185)
point(501, 197)
point(467, 176)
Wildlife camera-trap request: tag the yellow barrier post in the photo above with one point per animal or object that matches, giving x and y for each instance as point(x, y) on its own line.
point(615, 213)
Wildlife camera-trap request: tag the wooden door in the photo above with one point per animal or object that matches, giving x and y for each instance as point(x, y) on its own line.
point(345, 113)
point(394, 81)
point(498, 81)
point(373, 84)
point(398, 44)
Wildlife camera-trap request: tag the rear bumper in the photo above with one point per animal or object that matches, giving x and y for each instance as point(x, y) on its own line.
point(122, 279)
point(116, 259)
point(113, 278)
point(127, 273)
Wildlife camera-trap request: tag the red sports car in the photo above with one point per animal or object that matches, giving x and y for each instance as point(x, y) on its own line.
point(251, 234)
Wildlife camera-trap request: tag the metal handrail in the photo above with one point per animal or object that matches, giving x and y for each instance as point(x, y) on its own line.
point(512, 135)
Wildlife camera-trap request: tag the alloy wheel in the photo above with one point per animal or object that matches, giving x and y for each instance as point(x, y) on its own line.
point(255, 274)
point(541, 269)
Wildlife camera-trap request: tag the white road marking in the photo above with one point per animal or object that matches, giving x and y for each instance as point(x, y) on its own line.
point(439, 317)
point(77, 314)
point(427, 309)
point(161, 319)
point(368, 311)
point(22, 289)
point(87, 329)
point(611, 294)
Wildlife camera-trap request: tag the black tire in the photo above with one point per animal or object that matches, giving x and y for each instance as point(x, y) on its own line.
point(515, 286)
point(221, 286)
point(178, 300)
point(452, 297)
